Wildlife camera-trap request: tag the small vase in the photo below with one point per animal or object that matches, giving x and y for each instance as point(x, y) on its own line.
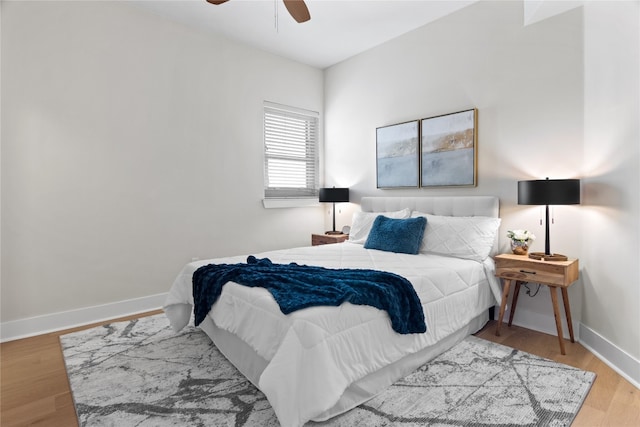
point(519, 247)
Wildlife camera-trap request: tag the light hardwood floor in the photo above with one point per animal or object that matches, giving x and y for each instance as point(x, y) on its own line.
point(35, 390)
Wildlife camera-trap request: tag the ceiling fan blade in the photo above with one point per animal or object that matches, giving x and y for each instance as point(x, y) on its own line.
point(297, 9)
point(217, 1)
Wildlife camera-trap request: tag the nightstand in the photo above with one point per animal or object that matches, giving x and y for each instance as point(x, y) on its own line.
point(554, 274)
point(326, 239)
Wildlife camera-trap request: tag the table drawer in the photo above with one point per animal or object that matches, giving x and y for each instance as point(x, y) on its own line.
point(530, 275)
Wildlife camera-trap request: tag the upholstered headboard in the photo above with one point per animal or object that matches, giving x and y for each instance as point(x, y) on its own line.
point(444, 205)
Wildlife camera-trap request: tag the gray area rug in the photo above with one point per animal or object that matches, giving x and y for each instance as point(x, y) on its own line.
point(140, 373)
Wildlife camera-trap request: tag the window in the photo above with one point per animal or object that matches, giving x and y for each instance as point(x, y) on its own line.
point(290, 152)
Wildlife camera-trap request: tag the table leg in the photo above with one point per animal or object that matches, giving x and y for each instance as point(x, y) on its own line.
point(556, 314)
point(514, 301)
point(567, 312)
point(503, 304)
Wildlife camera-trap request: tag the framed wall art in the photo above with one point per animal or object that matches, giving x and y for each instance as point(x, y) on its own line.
point(398, 155)
point(448, 149)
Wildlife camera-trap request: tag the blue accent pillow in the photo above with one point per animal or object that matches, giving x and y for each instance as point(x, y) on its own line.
point(396, 235)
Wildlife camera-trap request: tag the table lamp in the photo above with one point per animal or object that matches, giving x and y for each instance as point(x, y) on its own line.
point(333, 195)
point(548, 192)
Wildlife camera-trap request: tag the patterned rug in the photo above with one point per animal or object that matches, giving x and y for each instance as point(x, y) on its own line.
point(140, 373)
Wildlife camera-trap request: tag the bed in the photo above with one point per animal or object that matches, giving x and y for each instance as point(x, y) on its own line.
point(318, 362)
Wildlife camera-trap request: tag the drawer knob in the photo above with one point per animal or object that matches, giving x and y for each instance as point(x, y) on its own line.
point(527, 272)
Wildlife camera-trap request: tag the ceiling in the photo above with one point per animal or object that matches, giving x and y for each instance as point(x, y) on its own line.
point(338, 29)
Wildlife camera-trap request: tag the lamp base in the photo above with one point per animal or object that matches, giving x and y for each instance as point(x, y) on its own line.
point(544, 257)
point(333, 232)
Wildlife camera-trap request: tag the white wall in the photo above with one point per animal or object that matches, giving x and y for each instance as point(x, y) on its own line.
point(126, 149)
point(611, 267)
point(545, 109)
point(526, 83)
point(131, 144)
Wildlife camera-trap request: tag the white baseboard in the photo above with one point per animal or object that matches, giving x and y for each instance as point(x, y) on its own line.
point(23, 328)
point(616, 358)
point(540, 322)
point(619, 360)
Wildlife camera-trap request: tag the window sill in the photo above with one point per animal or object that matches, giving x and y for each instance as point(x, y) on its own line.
point(273, 203)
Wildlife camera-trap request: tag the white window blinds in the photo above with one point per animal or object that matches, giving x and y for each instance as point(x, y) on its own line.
point(291, 152)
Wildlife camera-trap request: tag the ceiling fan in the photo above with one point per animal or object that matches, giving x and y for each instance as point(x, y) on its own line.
point(297, 9)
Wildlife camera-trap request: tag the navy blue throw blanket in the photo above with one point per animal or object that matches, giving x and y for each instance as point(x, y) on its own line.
point(295, 287)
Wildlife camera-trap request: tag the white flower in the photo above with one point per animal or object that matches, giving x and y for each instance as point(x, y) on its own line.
point(521, 235)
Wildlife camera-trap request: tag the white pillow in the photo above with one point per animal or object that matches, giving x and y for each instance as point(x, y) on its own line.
point(468, 237)
point(362, 222)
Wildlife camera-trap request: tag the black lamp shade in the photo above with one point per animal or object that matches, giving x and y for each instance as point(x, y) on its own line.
point(549, 192)
point(333, 195)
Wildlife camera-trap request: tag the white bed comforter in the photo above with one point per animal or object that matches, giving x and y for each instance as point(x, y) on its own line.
point(316, 353)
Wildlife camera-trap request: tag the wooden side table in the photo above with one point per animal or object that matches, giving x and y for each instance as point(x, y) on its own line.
point(554, 274)
point(326, 239)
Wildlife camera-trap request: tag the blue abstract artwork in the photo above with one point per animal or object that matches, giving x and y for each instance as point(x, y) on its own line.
point(397, 155)
point(448, 150)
